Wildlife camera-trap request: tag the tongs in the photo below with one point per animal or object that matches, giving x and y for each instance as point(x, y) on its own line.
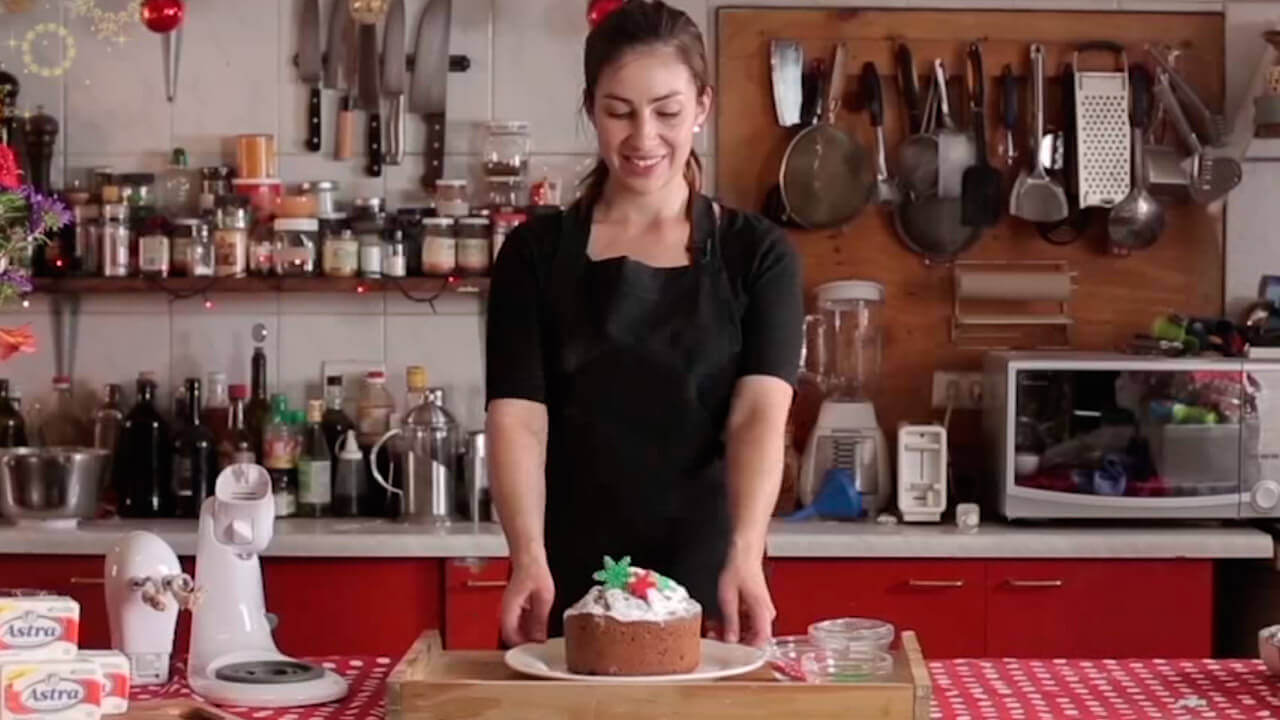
point(1212, 174)
point(1209, 126)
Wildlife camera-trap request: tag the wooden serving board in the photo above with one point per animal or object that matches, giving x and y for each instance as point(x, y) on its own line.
point(429, 682)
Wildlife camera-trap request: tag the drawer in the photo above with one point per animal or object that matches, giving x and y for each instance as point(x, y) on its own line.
point(473, 602)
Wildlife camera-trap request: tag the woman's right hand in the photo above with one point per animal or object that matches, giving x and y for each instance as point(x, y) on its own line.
point(526, 604)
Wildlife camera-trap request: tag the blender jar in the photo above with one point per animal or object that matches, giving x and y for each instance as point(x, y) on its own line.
point(850, 321)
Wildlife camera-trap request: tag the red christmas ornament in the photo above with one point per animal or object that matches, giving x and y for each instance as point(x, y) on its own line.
point(641, 584)
point(162, 16)
point(598, 10)
point(9, 170)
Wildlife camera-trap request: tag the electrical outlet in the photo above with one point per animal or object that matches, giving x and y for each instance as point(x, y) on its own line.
point(968, 389)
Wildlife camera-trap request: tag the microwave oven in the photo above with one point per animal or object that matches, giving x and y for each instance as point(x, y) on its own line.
point(1109, 436)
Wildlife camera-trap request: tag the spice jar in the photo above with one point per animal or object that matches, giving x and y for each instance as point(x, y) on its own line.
point(215, 182)
point(506, 192)
point(439, 246)
point(262, 249)
point(367, 208)
point(88, 239)
point(506, 148)
point(295, 246)
point(369, 235)
point(452, 199)
point(192, 248)
point(231, 241)
point(473, 236)
point(504, 221)
point(326, 193)
point(116, 240)
point(153, 248)
point(137, 189)
point(341, 254)
point(395, 260)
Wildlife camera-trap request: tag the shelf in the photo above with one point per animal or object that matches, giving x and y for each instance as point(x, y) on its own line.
point(415, 285)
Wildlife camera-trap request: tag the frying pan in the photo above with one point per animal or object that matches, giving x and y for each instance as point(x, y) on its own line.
point(826, 176)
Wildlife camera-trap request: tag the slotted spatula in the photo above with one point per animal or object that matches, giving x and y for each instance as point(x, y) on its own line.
point(1036, 197)
point(980, 186)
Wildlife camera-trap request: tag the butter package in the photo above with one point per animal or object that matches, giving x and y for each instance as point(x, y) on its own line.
point(114, 667)
point(50, 690)
point(39, 627)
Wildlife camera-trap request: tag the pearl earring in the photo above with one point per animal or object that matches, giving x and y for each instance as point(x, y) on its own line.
point(697, 128)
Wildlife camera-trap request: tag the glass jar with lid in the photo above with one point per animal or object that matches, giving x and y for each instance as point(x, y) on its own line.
point(192, 248)
point(88, 238)
point(506, 192)
point(294, 251)
point(215, 182)
point(231, 240)
point(506, 148)
point(116, 240)
point(452, 198)
point(368, 234)
point(138, 189)
point(326, 194)
point(153, 247)
point(262, 249)
point(341, 253)
point(439, 246)
point(473, 236)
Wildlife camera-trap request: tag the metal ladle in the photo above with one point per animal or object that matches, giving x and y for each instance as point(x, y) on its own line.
point(1137, 220)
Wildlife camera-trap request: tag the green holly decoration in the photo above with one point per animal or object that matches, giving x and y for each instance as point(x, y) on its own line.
point(615, 575)
point(664, 582)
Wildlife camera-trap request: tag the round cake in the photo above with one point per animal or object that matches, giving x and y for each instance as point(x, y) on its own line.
point(635, 622)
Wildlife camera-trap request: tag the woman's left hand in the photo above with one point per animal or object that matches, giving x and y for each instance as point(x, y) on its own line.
point(745, 605)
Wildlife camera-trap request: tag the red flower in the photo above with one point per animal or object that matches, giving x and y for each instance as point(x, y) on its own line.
point(16, 340)
point(641, 584)
point(9, 170)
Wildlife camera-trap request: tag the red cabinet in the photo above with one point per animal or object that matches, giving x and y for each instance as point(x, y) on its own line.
point(473, 590)
point(942, 600)
point(1100, 608)
point(79, 576)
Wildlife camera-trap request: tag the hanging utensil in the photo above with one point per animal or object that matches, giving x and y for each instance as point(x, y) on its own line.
point(367, 13)
point(1102, 129)
point(1072, 227)
point(309, 68)
point(351, 77)
point(886, 189)
point(393, 62)
point(956, 151)
point(171, 52)
point(1009, 113)
point(1212, 177)
point(1137, 220)
point(1211, 127)
point(826, 176)
point(909, 84)
point(786, 65)
point(812, 87)
point(430, 83)
point(1035, 196)
point(980, 192)
point(918, 154)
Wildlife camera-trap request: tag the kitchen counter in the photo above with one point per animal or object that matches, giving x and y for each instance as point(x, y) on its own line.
point(354, 537)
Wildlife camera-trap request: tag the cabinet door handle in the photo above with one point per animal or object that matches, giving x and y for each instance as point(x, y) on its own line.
point(935, 583)
point(1056, 583)
point(87, 581)
point(486, 583)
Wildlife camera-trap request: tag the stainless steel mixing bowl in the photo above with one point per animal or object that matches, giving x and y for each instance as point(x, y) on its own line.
point(57, 485)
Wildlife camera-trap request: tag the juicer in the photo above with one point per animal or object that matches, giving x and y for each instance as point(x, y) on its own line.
point(844, 336)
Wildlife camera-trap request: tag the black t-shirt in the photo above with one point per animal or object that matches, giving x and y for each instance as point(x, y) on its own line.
point(764, 278)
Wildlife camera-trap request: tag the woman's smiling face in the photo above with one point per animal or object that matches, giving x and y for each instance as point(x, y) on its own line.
point(645, 110)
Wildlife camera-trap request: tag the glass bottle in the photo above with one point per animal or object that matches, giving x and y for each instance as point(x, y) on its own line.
point(179, 186)
point(231, 241)
point(13, 431)
point(315, 465)
point(116, 241)
point(506, 149)
point(335, 422)
point(179, 415)
point(395, 261)
point(341, 254)
point(236, 445)
point(143, 466)
point(88, 238)
point(108, 419)
point(415, 377)
point(294, 252)
point(373, 412)
point(195, 458)
point(278, 457)
point(258, 411)
point(217, 406)
point(192, 248)
point(153, 247)
point(63, 427)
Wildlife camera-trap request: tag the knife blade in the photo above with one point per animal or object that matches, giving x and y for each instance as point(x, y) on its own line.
point(430, 81)
point(335, 51)
point(309, 67)
point(393, 62)
point(369, 97)
point(350, 71)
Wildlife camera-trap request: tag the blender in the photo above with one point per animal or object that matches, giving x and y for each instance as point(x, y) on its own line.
point(847, 330)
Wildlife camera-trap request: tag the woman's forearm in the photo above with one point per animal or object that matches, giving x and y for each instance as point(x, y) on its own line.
point(754, 453)
point(517, 436)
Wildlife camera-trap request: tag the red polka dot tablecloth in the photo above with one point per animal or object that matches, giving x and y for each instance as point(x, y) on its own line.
point(365, 677)
point(1110, 689)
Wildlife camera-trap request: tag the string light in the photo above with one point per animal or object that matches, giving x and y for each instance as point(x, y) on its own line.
point(360, 289)
point(208, 304)
point(26, 303)
point(68, 53)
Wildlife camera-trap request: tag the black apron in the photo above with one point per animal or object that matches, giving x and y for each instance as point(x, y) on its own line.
point(642, 376)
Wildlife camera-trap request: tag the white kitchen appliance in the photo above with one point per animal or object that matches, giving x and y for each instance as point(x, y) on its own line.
point(1105, 435)
point(234, 660)
point(922, 472)
point(847, 347)
point(145, 587)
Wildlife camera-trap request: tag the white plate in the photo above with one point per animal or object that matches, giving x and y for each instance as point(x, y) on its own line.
point(719, 660)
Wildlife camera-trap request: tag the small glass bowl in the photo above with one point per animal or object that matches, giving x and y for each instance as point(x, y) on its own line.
point(785, 653)
point(851, 665)
point(852, 632)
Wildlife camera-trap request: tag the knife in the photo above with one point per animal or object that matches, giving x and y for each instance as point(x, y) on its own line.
point(430, 80)
point(369, 97)
point(309, 67)
point(350, 71)
point(335, 53)
point(393, 62)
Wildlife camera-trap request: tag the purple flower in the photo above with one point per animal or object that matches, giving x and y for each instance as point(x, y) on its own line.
point(47, 214)
point(17, 279)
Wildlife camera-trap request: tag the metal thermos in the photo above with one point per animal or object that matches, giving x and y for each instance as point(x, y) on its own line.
point(479, 501)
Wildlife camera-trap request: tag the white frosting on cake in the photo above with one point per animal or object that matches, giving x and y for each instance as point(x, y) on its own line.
point(667, 601)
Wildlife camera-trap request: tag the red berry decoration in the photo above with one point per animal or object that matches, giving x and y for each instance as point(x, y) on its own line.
point(598, 10)
point(641, 584)
point(162, 16)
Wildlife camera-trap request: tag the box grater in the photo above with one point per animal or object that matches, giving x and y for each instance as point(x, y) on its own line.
point(1103, 159)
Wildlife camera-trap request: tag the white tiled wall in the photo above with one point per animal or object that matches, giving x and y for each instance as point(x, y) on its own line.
point(236, 77)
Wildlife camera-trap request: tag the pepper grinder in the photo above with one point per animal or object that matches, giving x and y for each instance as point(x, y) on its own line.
point(42, 132)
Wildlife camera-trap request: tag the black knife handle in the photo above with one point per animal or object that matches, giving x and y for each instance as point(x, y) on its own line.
point(909, 84)
point(313, 120)
point(873, 95)
point(374, 137)
point(434, 152)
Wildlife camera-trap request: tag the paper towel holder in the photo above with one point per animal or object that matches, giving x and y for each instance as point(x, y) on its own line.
point(1012, 304)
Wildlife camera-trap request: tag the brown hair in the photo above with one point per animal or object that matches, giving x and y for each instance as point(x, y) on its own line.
point(642, 23)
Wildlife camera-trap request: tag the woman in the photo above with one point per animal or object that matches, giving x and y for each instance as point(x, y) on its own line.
point(641, 350)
